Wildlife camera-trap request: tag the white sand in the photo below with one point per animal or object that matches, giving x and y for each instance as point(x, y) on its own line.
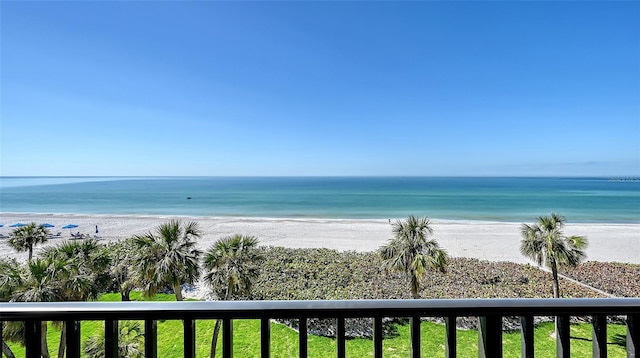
point(496, 241)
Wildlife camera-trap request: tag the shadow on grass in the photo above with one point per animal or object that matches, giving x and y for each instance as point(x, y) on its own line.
point(581, 339)
point(617, 339)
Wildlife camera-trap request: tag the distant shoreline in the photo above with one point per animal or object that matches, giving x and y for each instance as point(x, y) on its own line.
point(486, 240)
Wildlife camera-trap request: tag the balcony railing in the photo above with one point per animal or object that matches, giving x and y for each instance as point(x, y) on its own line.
point(489, 312)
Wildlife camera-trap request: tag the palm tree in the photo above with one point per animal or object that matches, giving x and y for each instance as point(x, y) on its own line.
point(9, 280)
point(168, 257)
point(26, 237)
point(39, 282)
point(130, 342)
point(545, 243)
point(86, 274)
point(232, 266)
point(410, 251)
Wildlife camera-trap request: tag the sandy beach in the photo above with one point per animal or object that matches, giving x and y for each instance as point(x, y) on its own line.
point(496, 241)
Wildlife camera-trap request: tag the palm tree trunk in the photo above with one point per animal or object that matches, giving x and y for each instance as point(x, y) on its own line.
point(556, 283)
point(556, 292)
point(7, 351)
point(43, 340)
point(63, 340)
point(30, 252)
point(125, 296)
point(414, 285)
point(216, 329)
point(177, 289)
point(214, 339)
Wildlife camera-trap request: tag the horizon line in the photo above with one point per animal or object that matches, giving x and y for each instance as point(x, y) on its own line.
point(635, 177)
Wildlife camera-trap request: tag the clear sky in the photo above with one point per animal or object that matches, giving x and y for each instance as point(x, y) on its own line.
point(513, 88)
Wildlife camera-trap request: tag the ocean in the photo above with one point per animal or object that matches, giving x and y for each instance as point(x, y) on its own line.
point(596, 200)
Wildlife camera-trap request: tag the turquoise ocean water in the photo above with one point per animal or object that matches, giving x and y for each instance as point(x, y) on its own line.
point(615, 200)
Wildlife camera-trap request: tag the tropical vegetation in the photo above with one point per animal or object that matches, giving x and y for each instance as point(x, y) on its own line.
point(130, 341)
point(9, 280)
point(38, 281)
point(235, 268)
point(122, 269)
point(85, 275)
point(232, 266)
point(168, 257)
point(616, 278)
point(26, 237)
point(545, 243)
point(410, 251)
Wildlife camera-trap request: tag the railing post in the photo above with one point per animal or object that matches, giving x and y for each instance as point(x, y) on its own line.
point(265, 338)
point(302, 337)
point(189, 341)
point(340, 338)
point(150, 338)
point(526, 333)
point(563, 343)
point(633, 336)
point(490, 336)
point(111, 335)
point(32, 333)
point(377, 337)
point(227, 337)
point(451, 331)
point(415, 336)
point(73, 338)
point(599, 336)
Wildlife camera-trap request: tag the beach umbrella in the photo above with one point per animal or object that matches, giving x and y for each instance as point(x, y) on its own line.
point(48, 225)
point(18, 225)
point(1, 225)
point(70, 226)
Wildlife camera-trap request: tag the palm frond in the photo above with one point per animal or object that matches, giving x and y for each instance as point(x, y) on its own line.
point(232, 265)
point(411, 251)
point(545, 243)
point(168, 257)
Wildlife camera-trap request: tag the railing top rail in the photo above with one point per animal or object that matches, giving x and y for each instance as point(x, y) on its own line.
point(319, 308)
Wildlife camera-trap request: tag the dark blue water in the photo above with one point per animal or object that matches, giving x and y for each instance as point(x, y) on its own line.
point(503, 199)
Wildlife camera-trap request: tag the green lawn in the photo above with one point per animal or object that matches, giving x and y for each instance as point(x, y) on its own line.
point(284, 341)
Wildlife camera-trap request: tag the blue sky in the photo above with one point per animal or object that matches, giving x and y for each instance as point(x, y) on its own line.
point(320, 88)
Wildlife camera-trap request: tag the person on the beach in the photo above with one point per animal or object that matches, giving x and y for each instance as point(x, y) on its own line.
point(96, 229)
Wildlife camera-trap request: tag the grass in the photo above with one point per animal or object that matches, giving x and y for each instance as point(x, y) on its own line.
point(284, 341)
